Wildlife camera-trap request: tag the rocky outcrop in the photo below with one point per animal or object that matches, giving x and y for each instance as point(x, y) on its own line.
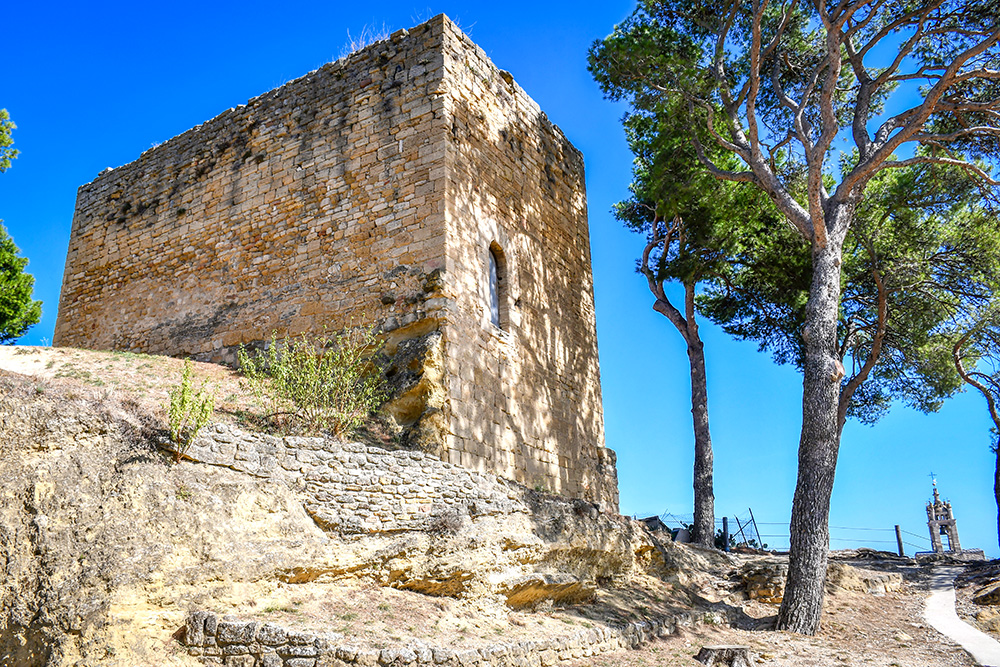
point(106, 546)
point(844, 577)
point(765, 580)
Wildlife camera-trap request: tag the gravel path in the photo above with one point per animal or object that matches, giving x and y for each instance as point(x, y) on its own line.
point(940, 613)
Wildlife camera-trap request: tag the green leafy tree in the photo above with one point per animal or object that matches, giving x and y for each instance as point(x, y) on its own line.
point(18, 311)
point(923, 250)
point(6, 152)
point(774, 86)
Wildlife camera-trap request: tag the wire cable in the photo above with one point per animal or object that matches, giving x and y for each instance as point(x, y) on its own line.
point(922, 537)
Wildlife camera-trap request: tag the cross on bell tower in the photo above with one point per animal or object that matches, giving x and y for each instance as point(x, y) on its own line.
point(941, 521)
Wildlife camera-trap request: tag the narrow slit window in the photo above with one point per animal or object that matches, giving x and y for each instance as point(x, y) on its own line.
point(494, 289)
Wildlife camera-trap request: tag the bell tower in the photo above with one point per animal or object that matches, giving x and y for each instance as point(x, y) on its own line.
point(941, 521)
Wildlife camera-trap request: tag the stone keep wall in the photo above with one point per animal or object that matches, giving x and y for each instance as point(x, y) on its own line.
point(372, 190)
point(316, 203)
point(530, 388)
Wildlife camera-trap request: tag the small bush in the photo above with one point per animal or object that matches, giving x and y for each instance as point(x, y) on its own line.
point(188, 411)
point(321, 383)
point(448, 523)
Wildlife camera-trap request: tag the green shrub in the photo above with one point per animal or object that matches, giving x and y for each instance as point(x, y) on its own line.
point(321, 383)
point(188, 411)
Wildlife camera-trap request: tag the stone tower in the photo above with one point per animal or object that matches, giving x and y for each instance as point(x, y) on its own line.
point(940, 521)
point(412, 185)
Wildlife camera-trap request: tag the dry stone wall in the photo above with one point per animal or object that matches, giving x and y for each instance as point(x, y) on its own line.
point(371, 191)
point(235, 643)
point(352, 488)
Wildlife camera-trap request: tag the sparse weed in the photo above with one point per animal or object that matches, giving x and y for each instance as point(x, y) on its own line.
point(286, 609)
point(447, 523)
point(124, 354)
point(72, 372)
point(188, 411)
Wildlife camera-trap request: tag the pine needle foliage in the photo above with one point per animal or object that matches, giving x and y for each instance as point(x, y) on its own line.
point(322, 383)
point(189, 410)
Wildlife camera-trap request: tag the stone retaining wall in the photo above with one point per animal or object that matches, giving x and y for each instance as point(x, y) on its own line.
point(354, 488)
point(234, 643)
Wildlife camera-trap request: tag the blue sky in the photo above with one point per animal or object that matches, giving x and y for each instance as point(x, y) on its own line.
point(93, 85)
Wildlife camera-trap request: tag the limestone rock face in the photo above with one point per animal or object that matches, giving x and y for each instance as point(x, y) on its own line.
point(989, 619)
point(988, 595)
point(528, 589)
point(765, 580)
point(840, 576)
point(106, 545)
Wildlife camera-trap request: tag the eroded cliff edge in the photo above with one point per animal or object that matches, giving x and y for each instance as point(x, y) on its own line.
point(106, 546)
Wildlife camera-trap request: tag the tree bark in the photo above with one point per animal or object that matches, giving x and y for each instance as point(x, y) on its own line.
point(704, 494)
point(687, 326)
point(725, 656)
point(996, 485)
point(819, 444)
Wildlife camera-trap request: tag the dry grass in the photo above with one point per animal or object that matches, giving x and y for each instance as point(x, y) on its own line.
point(144, 380)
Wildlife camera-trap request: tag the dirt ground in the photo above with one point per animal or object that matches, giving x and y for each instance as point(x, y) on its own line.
point(977, 579)
point(146, 379)
point(372, 616)
point(858, 629)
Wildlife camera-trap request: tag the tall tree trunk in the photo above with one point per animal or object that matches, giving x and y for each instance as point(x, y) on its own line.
point(704, 495)
point(996, 484)
point(687, 326)
point(819, 444)
point(989, 389)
